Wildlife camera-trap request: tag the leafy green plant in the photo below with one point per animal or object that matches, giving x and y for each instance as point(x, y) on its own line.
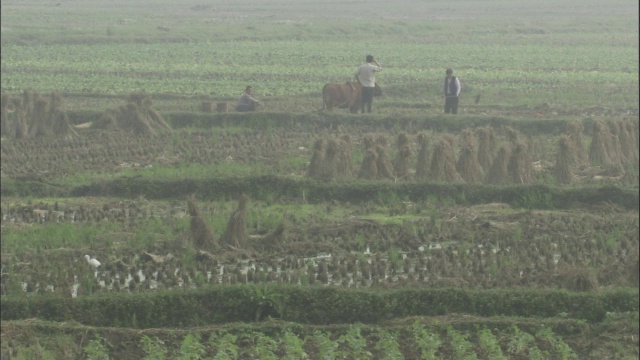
point(490, 345)
point(355, 345)
point(427, 342)
point(266, 299)
point(154, 349)
point(191, 348)
point(388, 346)
point(462, 348)
point(96, 349)
point(265, 347)
point(327, 349)
point(519, 341)
point(293, 346)
point(224, 345)
point(562, 349)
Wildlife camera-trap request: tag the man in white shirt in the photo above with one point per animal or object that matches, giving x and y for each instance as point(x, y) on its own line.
point(451, 93)
point(247, 102)
point(366, 75)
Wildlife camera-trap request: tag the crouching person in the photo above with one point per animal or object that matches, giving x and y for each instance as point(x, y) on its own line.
point(247, 102)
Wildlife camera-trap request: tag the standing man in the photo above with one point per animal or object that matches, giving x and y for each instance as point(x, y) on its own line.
point(366, 75)
point(247, 102)
point(451, 93)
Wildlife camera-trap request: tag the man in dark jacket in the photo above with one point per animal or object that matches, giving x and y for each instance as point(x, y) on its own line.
point(451, 93)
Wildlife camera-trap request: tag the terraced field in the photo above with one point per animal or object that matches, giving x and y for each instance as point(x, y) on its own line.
point(508, 231)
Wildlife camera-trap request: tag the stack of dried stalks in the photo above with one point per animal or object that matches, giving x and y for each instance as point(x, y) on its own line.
point(601, 146)
point(513, 135)
point(487, 143)
point(623, 143)
point(236, 232)
point(468, 166)
point(402, 161)
point(566, 161)
point(385, 166)
point(58, 118)
point(499, 175)
point(443, 161)
point(136, 116)
point(315, 169)
point(577, 278)
point(574, 131)
point(424, 157)
point(272, 240)
point(331, 159)
point(369, 167)
point(201, 234)
point(34, 116)
point(344, 165)
point(377, 162)
point(520, 166)
point(628, 142)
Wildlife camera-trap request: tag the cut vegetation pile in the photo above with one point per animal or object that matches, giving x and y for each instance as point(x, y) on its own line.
point(33, 116)
point(137, 116)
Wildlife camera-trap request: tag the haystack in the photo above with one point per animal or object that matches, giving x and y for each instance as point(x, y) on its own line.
point(28, 102)
point(486, 147)
point(38, 123)
point(236, 232)
point(468, 166)
point(331, 159)
point(565, 161)
point(8, 115)
point(369, 167)
point(513, 135)
point(201, 234)
point(384, 165)
point(369, 141)
point(601, 146)
point(402, 161)
point(6, 108)
point(315, 169)
point(424, 157)
point(624, 144)
point(136, 116)
point(575, 131)
point(520, 168)
point(344, 165)
point(272, 240)
point(59, 119)
point(18, 126)
point(577, 278)
point(443, 162)
point(32, 116)
point(499, 175)
point(630, 143)
point(616, 148)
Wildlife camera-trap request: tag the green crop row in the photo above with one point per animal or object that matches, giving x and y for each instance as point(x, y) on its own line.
point(296, 67)
point(416, 338)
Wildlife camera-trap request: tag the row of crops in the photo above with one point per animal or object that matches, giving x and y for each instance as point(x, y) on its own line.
point(416, 340)
point(202, 69)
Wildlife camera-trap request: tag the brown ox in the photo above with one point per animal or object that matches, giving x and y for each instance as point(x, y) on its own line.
point(345, 95)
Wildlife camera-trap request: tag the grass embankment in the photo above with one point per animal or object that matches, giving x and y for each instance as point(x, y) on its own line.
point(312, 305)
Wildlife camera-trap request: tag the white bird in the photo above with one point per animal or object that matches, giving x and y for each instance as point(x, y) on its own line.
point(93, 262)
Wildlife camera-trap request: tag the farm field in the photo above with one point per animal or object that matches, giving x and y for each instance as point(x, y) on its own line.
point(507, 231)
